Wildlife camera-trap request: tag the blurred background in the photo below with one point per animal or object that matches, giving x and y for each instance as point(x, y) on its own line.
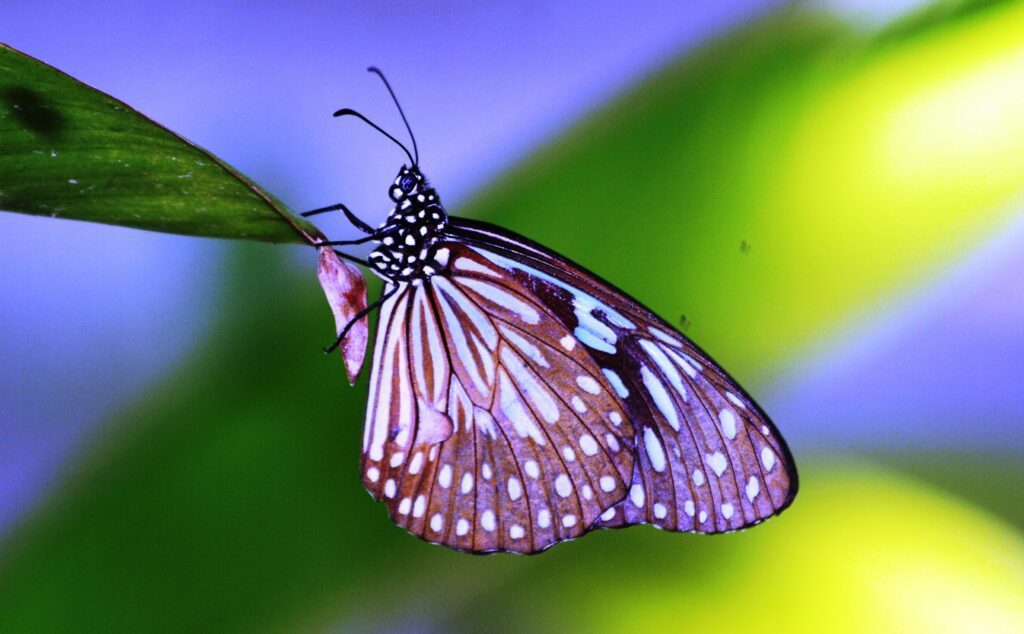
point(826, 196)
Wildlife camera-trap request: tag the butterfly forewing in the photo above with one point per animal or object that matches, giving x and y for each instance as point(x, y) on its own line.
point(707, 457)
point(489, 427)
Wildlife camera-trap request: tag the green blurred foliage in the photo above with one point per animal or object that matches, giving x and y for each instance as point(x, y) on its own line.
point(851, 167)
point(865, 551)
point(229, 499)
point(70, 151)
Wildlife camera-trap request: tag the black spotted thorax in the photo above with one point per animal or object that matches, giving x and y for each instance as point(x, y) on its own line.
point(407, 247)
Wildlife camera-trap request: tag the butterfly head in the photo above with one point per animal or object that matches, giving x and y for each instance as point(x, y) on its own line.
point(412, 194)
point(408, 184)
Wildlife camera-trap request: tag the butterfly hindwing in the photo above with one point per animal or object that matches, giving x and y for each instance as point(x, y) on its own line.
point(488, 426)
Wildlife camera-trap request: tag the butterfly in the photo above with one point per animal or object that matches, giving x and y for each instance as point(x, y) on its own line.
point(518, 400)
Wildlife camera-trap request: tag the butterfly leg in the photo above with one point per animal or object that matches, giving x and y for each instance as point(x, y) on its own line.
point(338, 243)
point(352, 258)
point(360, 315)
point(359, 224)
point(375, 235)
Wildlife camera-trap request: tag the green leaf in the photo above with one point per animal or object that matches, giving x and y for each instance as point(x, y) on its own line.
point(70, 151)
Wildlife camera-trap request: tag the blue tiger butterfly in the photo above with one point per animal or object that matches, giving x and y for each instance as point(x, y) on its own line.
point(517, 400)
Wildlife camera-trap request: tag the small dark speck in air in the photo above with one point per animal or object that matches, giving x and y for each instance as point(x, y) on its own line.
point(744, 246)
point(33, 111)
point(684, 322)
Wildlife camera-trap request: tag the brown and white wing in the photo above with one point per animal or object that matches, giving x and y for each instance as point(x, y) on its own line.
point(489, 427)
point(708, 459)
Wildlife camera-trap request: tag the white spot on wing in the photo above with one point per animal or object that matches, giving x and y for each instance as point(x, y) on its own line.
point(660, 511)
point(767, 458)
point(445, 477)
point(588, 445)
point(402, 437)
point(544, 518)
point(727, 511)
point(436, 523)
point(663, 336)
point(698, 477)
point(420, 506)
point(487, 521)
point(588, 339)
point(753, 488)
point(613, 442)
point(515, 489)
point(616, 381)
point(688, 508)
point(607, 484)
point(588, 384)
point(668, 370)
point(532, 469)
point(654, 450)
point(717, 462)
point(569, 520)
point(467, 482)
point(728, 422)
point(568, 342)
point(636, 494)
point(735, 400)
point(373, 473)
point(563, 485)
point(461, 527)
point(660, 395)
point(416, 463)
point(516, 531)
point(683, 361)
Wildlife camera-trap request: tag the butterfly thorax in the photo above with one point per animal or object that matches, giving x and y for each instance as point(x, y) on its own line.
point(407, 247)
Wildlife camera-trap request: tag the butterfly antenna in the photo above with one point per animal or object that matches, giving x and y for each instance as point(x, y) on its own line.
point(349, 111)
point(416, 150)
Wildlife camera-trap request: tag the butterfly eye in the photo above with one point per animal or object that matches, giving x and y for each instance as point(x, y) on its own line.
point(407, 183)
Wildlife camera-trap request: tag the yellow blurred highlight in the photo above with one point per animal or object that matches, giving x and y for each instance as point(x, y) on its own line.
point(862, 550)
point(909, 155)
